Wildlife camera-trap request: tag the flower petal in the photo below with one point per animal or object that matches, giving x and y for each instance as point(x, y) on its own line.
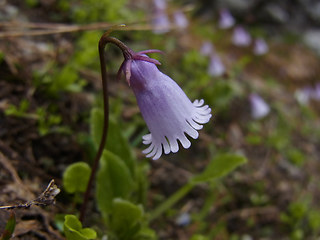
point(166, 146)
point(202, 119)
point(148, 149)
point(192, 132)
point(174, 145)
point(195, 125)
point(184, 141)
point(158, 153)
point(167, 111)
point(198, 103)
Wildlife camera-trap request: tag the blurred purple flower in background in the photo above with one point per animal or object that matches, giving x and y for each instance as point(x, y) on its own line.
point(316, 92)
point(207, 48)
point(183, 219)
point(226, 20)
point(216, 67)
point(260, 47)
point(259, 108)
point(241, 37)
point(160, 22)
point(304, 95)
point(180, 19)
point(160, 4)
point(167, 111)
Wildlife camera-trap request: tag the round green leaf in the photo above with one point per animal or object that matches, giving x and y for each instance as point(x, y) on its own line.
point(76, 177)
point(125, 215)
point(199, 237)
point(74, 231)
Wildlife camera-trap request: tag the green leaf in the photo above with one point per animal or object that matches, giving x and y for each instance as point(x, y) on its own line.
point(125, 218)
point(142, 183)
point(146, 234)
point(10, 226)
point(199, 237)
point(89, 233)
point(314, 219)
point(220, 166)
point(113, 181)
point(116, 142)
point(96, 125)
point(64, 78)
point(74, 231)
point(76, 177)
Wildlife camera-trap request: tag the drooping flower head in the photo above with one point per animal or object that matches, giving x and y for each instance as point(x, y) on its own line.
point(167, 111)
point(241, 37)
point(260, 47)
point(259, 108)
point(226, 20)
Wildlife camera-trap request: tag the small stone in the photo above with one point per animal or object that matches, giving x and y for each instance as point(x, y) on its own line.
point(277, 13)
point(312, 39)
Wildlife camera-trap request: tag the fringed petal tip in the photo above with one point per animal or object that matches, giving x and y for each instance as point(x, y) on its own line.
point(167, 144)
point(202, 113)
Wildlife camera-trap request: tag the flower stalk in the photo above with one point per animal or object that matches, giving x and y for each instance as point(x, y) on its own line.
point(104, 40)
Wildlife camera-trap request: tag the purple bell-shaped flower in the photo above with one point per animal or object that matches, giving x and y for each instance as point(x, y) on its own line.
point(260, 47)
point(259, 108)
point(180, 19)
point(304, 95)
point(241, 37)
point(207, 48)
point(160, 22)
point(316, 92)
point(226, 20)
point(167, 111)
point(216, 67)
point(160, 4)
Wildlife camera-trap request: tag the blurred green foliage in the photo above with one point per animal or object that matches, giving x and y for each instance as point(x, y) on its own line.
point(73, 229)
point(1, 56)
point(20, 111)
point(302, 220)
point(96, 11)
point(118, 145)
point(46, 122)
point(9, 227)
point(220, 166)
point(32, 3)
point(199, 237)
point(122, 181)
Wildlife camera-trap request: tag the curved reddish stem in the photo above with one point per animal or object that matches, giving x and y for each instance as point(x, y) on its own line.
point(127, 52)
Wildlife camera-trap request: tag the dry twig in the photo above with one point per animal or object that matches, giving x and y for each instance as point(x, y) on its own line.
point(47, 197)
point(46, 29)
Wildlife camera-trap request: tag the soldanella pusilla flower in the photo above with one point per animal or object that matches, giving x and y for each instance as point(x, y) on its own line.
point(167, 111)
